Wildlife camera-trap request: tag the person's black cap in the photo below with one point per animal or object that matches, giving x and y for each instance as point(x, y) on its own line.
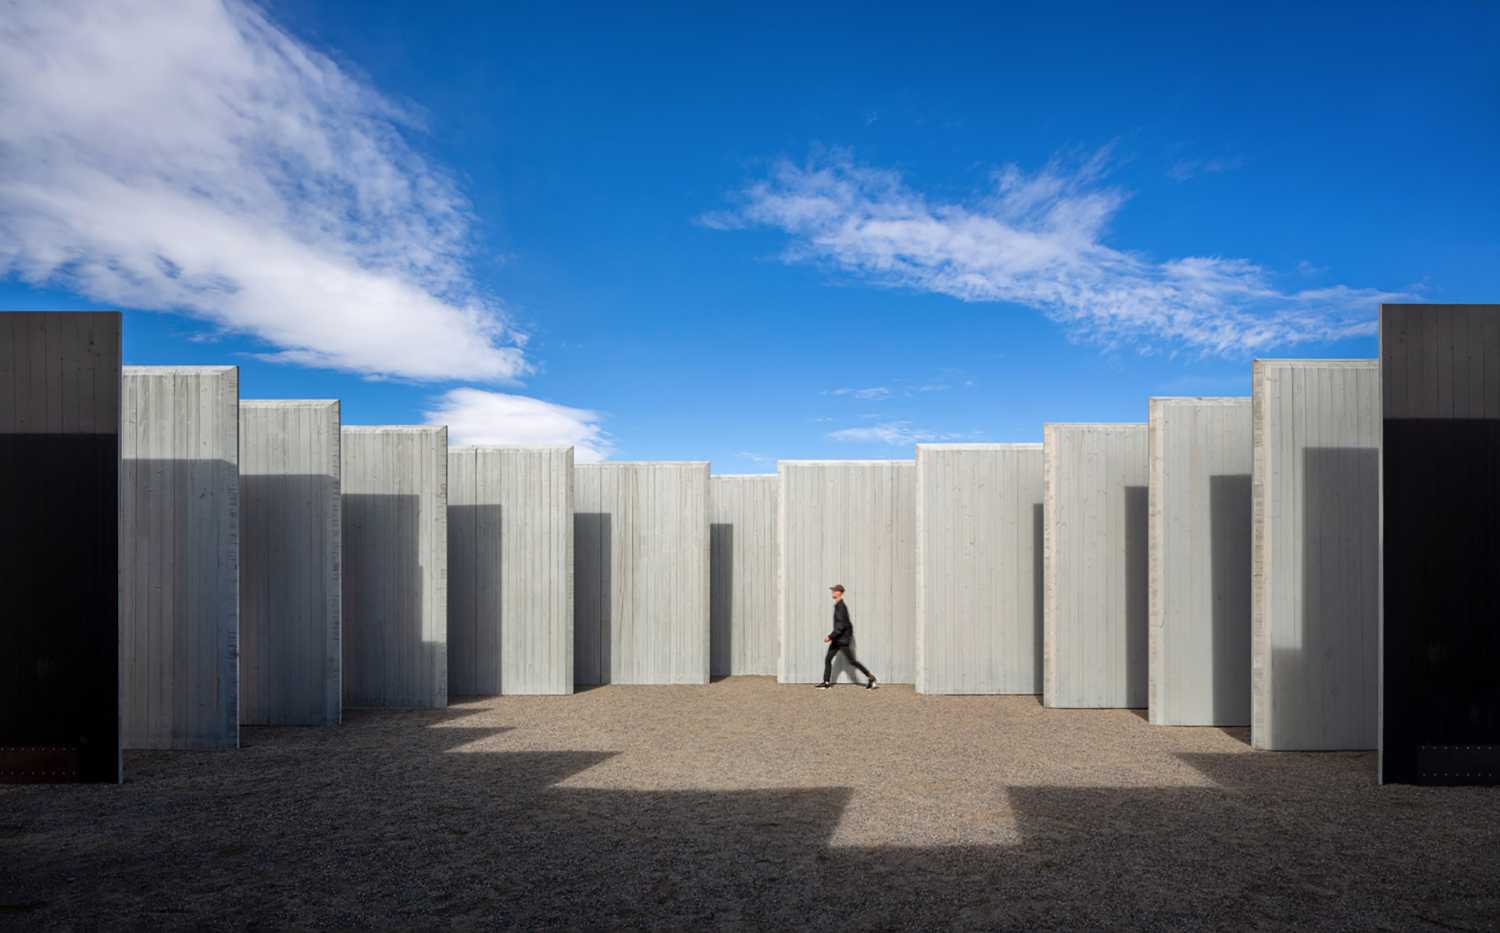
point(837, 586)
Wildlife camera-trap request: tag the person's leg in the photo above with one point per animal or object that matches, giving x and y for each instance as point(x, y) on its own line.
point(849, 653)
point(828, 663)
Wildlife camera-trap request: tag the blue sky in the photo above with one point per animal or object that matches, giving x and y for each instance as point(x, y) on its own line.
point(781, 232)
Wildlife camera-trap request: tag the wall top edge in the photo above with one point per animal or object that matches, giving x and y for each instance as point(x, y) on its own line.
point(395, 428)
point(501, 448)
point(631, 463)
point(782, 463)
point(1095, 426)
point(1005, 445)
point(177, 370)
point(1340, 363)
point(743, 476)
point(1200, 400)
point(288, 402)
point(1468, 306)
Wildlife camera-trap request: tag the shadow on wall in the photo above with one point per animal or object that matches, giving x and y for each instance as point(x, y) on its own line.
point(1038, 593)
point(1137, 589)
point(505, 838)
point(593, 570)
point(721, 598)
point(475, 591)
point(1326, 685)
point(286, 585)
point(1229, 536)
point(387, 660)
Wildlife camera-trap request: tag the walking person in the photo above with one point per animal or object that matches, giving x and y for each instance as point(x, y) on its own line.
point(838, 640)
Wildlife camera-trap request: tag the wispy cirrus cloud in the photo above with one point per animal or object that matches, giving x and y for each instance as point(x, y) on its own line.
point(872, 393)
point(894, 433)
point(1186, 169)
point(476, 416)
point(1038, 240)
point(193, 156)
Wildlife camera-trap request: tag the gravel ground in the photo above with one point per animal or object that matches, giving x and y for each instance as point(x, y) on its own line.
point(750, 805)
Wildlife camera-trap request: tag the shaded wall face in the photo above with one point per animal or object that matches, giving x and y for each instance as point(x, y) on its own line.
point(291, 544)
point(979, 569)
point(179, 546)
point(852, 523)
point(59, 498)
point(641, 573)
point(744, 633)
point(510, 560)
point(1200, 562)
point(1440, 709)
point(1095, 622)
point(395, 574)
point(1314, 574)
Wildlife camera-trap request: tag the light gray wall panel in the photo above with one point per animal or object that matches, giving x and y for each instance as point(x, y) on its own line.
point(745, 635)
point(1095, 565)
point(855, 523)
point(179, 557)
point(395, 483)
point(291, 544)
point(979, 568)
point(641, 573)
point(510, 570)
point(1200, 562)
point(1314, 580)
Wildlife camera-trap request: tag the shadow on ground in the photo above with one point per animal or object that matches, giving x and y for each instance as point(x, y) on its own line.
point(391, 820)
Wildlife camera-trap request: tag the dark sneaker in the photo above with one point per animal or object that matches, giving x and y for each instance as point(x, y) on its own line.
point(824, 686)
point(872, 684)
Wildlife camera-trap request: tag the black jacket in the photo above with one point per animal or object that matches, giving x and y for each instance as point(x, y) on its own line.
point(843, 629)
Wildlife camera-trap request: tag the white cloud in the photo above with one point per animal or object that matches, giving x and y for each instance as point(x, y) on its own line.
point(189, 155)
point(873, 393)
point(474, 416)
point(1038, 240)
point(895, 433)
point(1186, 169)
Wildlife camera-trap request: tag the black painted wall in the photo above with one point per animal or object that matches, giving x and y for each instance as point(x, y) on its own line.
point(1440, 457)
point(59, 579)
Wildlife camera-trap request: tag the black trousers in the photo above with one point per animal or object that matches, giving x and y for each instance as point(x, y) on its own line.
point(833, 651)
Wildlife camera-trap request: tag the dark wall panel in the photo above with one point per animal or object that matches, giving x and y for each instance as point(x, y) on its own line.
point(59, 489)
point(1440, 458)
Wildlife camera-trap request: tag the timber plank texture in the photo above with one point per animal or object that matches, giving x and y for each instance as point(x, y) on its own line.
point(745, 635)
point(179, 547)
point(1200, 561)
point(979, 568)
point(1095, 565)
point(851, 522)
point(510, 570)
point(1314, 575)
point(1440, 544)
point(641, 577)
point(59, 552)
point(291, 547)
point(395, 579)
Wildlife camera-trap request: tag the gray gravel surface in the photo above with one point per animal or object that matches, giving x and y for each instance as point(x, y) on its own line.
point(750, 805)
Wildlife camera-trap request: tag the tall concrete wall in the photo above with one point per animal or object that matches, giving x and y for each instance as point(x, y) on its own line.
point(1314, 579)
point(742, 522)
point(59, 547)
point(641, 573)
point(1095, 565)
point(1439, 710)
point(179, 550)
point(395, 598)
point(1200, 562)
point(855, 523)
point(979, 568)
point(291, 547)
point(510, 570)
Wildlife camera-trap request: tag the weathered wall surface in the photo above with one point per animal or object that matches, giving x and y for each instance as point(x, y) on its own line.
point(395, 599)
point(641, 573)
point(1314, 619)
point(59, 505)
point(1095, 565)
point(179, 557)
point(1440, 508)
point(510, 570)
point(291, 544)
point(742, 522)
point(1200, 561)
point(855, 523)
point(979, 568)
